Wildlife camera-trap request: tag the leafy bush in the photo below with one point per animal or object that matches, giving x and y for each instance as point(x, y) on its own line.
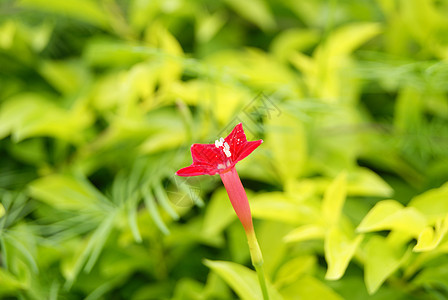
point(100, 101)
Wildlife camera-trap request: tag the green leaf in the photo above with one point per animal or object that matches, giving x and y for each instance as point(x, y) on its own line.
point(151, 206)
point(381, 260)
point(84, 10)
point(432, 203)
point(163, 200)
point(365, 182)
point(430, 237)
point(391, 215)
point(2, 210)
point(219, 213)
point(290, 271)
point(344, 40)
point(208, 25)
point(132, 218)
point(66, 192)
point(334, 199)
point(90, 251)
point(28, 115)
point(433, 276)
point(339, 250)
point(305, 233)
point(241, 279)
point(256, 11)
point(9, 283)
point(277, 206)
point(308, 287)
point(408, 110)
point(66, 76)
point(287, 140)
point(289, 41)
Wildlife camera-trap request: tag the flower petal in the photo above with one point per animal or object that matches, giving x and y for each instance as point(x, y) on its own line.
point(207, 154)
point(236, 139)
point(247, 149)
point(196, 170)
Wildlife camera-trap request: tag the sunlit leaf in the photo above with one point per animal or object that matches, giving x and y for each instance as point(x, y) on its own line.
point(293, 269)
point(430, 237)
point(241, 279)
point(84, 10)
point(346, 39)
point(28, 115)
point(66, 76)
point(286, 137)
point(153, 211)
point(9, 284)
point(289, 41)
point(308, 287)
point(256, 11)
point(279, 207)
point(339, 250)
point(334, 199)
point(209, 25)
point(432, 203)
point(219, 213)
point(382, 259)
point(365, 182)
point(391, 215)
point(2, 210)
point(66, 192)
point(305, 233)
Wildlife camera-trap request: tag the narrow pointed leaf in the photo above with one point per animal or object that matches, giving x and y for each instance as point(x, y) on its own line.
point(339, 250)
point(241, 279)
point(334, 199)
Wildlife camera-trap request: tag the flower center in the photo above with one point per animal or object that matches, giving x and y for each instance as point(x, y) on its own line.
point(225, 147)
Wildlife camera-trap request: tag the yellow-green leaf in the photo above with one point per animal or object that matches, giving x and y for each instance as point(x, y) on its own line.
point(255, 11)
point(305, 233)
point(391, 215)
point(293, 269)
point(29, 115)
point(382, 259)
point(85, 10)
point(308, 287)
point(2, 210)
point(334, 199)
point(431, 236)
point(287, 140)
point(242, 280)
point(432, 203)
point(346, 39)
point(65, 192)
point(339, 250)
point(219, 213)
point(365, 182)
point(279, 207)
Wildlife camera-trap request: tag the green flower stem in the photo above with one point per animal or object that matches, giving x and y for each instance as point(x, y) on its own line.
point(262, 281)
point(257, 261)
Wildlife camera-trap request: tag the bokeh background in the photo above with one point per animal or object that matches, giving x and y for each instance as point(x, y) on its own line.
point(100, 101)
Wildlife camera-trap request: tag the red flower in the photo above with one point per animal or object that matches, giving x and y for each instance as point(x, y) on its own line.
point(220, 157)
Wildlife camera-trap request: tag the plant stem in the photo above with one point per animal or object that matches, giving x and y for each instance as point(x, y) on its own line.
point(257, 261)
point(262, 281)
point(238, 198)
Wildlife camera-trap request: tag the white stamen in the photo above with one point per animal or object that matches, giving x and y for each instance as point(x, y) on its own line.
point(226, 148)
point(227, 152)
point(218, 144)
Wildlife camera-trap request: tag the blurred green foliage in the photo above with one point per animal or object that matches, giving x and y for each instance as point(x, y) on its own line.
point(101, 99)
